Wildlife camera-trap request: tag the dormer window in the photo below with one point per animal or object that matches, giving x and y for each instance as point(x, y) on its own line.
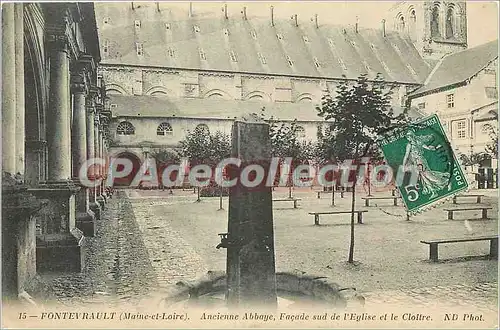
point(396, 48)
point(139, 49)
point(289, 60)
point(233, 57)
point(167, 26)
point(137, 24)
point(171, 52)
point(254, 34)
point(226, 32)
point(196, 28)
point(316, 62)
point(279, 36)
point(353, 43)
point(386, 68)
point(262, 58)
point(342, 64)
point(203, 56)
point(105, 46)
point(106, 20)
point(411, 69)
point(305, 38)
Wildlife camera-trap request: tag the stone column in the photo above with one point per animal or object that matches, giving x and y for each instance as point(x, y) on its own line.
point(59, 246)
point(99, 170)
point(84, 216)
point(251, 276)
point(8, 89)
point(94, 206)
point(20, 111)
point(58, 127)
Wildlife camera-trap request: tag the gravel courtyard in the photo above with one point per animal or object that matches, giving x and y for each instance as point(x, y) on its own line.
point(150, 240)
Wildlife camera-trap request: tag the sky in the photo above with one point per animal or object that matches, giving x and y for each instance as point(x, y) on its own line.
point(482, 15)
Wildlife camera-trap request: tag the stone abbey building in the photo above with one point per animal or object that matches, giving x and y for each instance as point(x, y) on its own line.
point(168, 71)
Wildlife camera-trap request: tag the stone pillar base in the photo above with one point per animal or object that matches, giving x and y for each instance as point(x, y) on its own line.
point(61, 253)
point(96, 209)
point(85, 221)
point(101, 201)
point(59, 242)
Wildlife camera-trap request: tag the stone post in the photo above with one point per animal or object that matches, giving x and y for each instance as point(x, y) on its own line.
point(100, 195)
point(59, 246)
point(251, 280)
point(8, 89)
point(84, 216)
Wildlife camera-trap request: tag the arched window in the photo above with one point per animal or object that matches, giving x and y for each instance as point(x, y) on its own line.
point(164, 129)
point(450, 22)
point(125, 128)
point(413, 25)
point(401, 24)
point(300, 132)
point(435, 22)
point(202, 128)
point(218, 96)
point(256, 97)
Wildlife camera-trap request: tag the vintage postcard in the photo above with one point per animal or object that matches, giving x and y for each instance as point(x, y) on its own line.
point(250, 164)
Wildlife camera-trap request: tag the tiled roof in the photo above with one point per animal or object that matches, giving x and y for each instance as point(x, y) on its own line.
point(154, 106)
point(328, 51)
point(458, 67)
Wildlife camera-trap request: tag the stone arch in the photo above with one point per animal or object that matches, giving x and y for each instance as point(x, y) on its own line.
point(157, 91)
point(256, 95)
point(435, 24)
point(412, 22)
point(136, 165)
point(115, 89)
point(400, 22)
point(305, 97)
point(217, 93)
point(35, 90)
point(452, 26)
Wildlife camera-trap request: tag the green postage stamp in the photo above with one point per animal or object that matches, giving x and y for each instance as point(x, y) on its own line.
point(428, 170)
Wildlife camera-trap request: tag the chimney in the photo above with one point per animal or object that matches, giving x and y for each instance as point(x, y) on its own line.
point(225, 10)
point(316, 21)
point(244, 13)
point(133, 6)
point(272, 16)
point(190, 9)
point(296, 20)
point(383, 28)
point(157, 6)
point(357, 24)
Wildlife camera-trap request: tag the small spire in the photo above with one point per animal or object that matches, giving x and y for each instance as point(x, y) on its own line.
point(272, 15)
point(383, 28)
point(356, 28)
point(244, 12)
point(225, 11)
point(316, 21)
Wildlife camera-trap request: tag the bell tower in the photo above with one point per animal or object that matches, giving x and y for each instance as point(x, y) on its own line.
point(436, 28)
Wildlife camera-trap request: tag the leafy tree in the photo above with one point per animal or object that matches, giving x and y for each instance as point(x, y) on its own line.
point(203, 147)
point(355, 117)
point(492, 146)
point(165, 157)
point(285, 142)
point(474, 159)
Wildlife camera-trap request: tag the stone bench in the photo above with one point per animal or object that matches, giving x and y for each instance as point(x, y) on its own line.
point(478, 198)
point(433, 244)
point(367, 199)
point(483, 208)
point(294, 200)
point(319, 192)
point(317, 214)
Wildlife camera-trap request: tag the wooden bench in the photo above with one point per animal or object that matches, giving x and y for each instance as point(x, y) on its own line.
point(433, 244)
point(483, 208)
point(367, 199)
point(319, 192)
point(294, 200)
point(317, 214)
point(478, 198)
